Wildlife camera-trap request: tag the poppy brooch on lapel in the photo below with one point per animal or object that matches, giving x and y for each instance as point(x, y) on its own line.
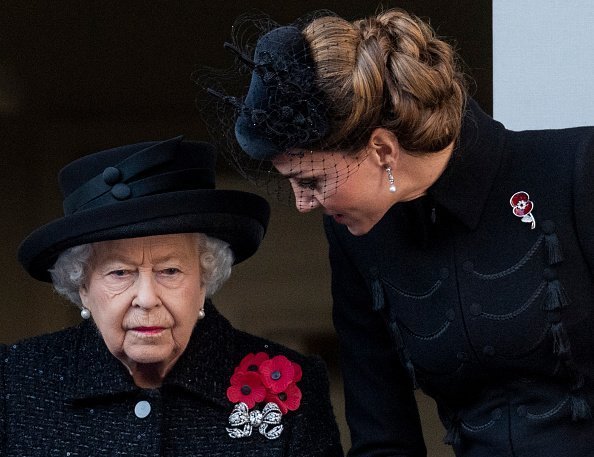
point(261, 380)
point(522, 207)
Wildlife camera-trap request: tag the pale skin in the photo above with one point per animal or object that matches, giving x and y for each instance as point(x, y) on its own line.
point(145, 295)
point(362, 199)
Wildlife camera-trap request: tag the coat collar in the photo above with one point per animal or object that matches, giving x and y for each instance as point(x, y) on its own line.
point(203, 369)
point(464, 186)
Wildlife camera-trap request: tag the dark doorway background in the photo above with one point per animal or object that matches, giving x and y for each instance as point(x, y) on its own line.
point(78, 77)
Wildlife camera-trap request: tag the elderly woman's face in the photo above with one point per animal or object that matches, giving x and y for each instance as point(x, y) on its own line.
point(145, 295)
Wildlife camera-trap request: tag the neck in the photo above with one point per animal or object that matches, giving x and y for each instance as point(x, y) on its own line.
point(149, 375)
point(417, 173)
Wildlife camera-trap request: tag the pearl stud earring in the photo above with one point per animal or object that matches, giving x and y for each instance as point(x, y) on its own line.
point(85, 313)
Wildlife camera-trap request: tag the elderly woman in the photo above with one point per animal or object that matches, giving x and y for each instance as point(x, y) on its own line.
point(154, 369)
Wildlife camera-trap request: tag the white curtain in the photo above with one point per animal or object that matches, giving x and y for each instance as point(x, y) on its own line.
point(543, 63)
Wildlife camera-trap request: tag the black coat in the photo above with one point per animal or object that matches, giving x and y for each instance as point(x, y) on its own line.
point(64, 394)
point(493, 319)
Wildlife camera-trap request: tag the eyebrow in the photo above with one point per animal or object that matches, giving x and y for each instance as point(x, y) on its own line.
point(303, 174)
point(292, 174)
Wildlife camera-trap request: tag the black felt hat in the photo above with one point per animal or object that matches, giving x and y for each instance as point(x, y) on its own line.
point(146, 189)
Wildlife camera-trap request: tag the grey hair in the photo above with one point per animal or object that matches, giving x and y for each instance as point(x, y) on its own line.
point(70, 270)
point(216, 260)
point(68, 273)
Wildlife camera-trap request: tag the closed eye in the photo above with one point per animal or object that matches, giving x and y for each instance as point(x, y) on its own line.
point(311, 184)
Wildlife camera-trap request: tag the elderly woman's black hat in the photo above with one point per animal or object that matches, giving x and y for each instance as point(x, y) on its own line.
point(146, 189)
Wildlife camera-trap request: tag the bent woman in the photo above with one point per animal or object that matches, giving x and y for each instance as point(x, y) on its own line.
point(461, 252)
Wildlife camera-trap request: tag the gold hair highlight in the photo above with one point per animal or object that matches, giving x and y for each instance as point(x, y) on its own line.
point(388, 70)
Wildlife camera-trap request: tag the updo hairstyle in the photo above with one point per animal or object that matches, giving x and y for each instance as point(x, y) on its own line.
point(390, 71)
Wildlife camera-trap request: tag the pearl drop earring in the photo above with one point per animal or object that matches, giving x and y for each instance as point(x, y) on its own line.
point(85, 313)
point(201, 314)
point(391, 179)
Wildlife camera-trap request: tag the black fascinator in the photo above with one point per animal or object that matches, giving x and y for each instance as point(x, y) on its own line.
point(282, 109)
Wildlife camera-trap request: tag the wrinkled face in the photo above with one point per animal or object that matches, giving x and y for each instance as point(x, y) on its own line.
point(145, 295)
point(353, 189)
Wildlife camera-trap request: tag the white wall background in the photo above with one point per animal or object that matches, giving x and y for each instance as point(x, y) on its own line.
point(543, 63)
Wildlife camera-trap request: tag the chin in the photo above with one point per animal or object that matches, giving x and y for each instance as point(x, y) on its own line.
point(365, 224)
point(359, 229)
point(150, 355)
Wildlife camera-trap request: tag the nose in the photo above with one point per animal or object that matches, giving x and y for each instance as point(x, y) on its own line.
point(147, 295)
point(306, 203)
point(305, 200)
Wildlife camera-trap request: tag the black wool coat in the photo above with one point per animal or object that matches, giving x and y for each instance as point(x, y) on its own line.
point(64, 394)
point(492, 318)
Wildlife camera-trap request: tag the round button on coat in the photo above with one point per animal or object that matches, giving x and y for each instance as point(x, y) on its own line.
point(476, 309)
point(462, 356)
point(142, 409)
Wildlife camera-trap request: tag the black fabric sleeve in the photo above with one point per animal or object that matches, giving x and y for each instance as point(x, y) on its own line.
point(584, 196)
point(381, 410)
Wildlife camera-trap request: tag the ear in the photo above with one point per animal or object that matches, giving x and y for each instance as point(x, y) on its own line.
point(384, 145)
point(83, 294)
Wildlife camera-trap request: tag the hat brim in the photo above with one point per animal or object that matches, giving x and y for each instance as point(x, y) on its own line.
point(236, 217)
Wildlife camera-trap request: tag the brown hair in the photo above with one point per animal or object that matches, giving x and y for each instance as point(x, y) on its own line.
point(391, 71)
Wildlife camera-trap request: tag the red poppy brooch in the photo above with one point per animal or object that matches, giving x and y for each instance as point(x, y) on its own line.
point(261, 380)
point(522, 207)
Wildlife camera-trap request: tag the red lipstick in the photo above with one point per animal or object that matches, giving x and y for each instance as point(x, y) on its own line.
point(148, 330)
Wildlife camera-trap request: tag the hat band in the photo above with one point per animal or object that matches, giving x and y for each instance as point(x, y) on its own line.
point(183, 180)
point(139, 162)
